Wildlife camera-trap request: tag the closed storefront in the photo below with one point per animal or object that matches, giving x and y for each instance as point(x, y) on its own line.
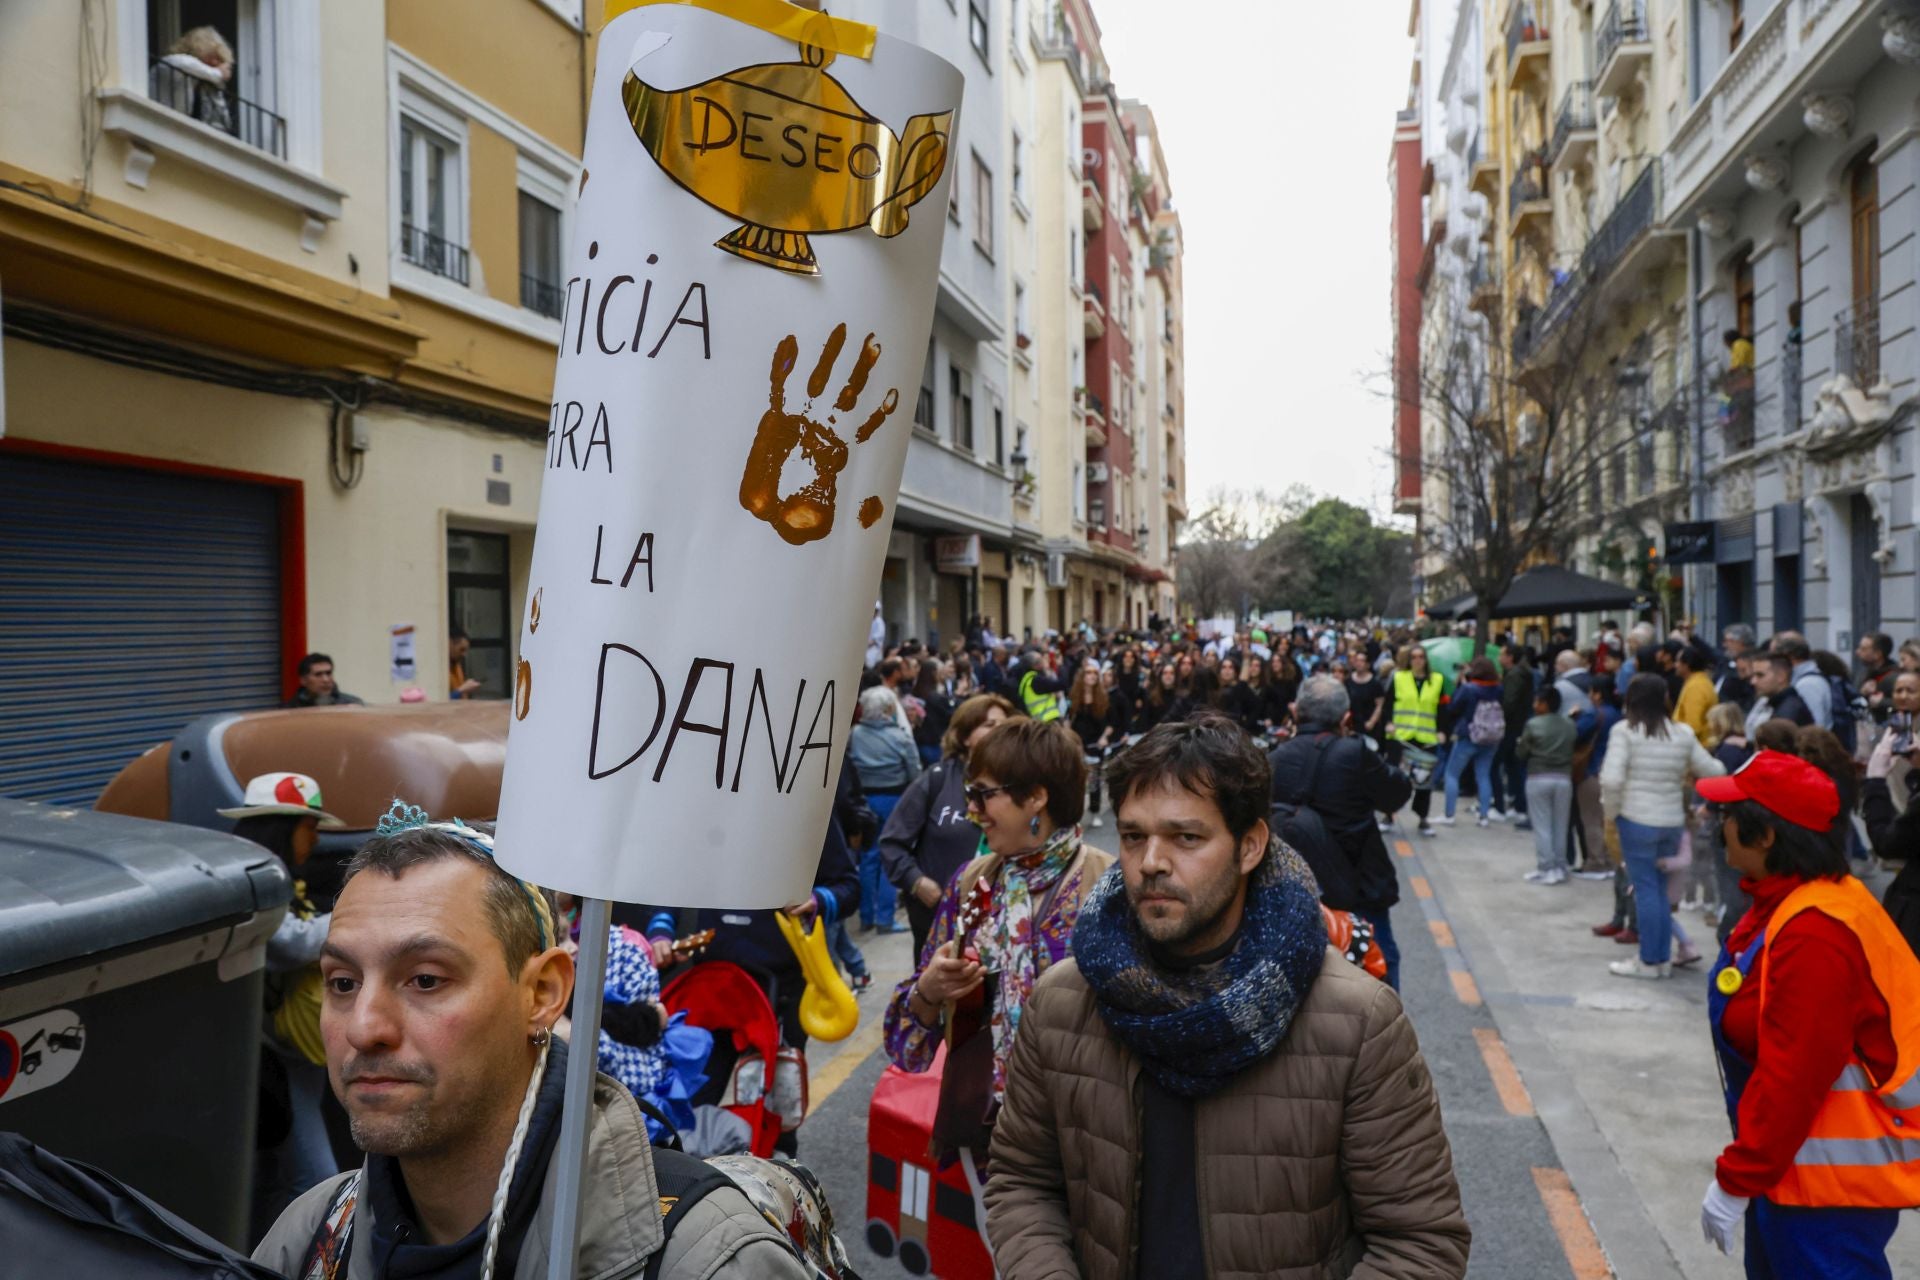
point(131, 602)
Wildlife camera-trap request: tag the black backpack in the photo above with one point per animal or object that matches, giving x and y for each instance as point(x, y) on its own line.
point(1849, 708)
point(63, 1218)
point(1297, 822)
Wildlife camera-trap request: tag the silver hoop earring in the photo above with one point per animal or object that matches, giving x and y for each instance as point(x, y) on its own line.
point(540, 1037)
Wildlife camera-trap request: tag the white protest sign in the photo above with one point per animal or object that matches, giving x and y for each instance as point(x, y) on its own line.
point(751, 284)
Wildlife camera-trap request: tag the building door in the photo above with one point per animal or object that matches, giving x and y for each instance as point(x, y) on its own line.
point(1863, 540)
point(479, 602)
point(1864, 191)
point(1733, 594)
point(1786, 593)
point(131, 603)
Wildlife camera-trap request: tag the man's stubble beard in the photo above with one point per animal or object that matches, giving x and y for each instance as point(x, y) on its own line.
point(1205, 908)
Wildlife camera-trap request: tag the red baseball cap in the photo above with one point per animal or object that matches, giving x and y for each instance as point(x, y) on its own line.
point(1784, 785)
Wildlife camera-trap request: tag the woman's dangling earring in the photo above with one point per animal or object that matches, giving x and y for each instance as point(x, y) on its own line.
point(1034, 824)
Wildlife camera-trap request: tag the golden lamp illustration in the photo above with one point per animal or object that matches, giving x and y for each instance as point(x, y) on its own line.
point(784, 147)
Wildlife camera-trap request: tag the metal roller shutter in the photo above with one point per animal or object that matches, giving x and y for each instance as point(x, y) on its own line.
point(131, 602)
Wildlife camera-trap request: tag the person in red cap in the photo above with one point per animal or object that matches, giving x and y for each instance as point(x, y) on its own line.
point(1814, 1005)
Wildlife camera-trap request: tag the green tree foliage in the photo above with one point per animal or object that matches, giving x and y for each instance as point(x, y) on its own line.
point(1320, 557)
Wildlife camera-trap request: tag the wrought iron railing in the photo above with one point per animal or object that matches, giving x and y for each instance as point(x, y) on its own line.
point(1790, 387)
point(1098, 294)
point(1631, 218)
point(1524, 27)
point(1529, 184)
point(1624, 24)
point(541, 295)
point(1733, 407)
point(1576, 115)
point(217, 106)
point(1856, 343)
point(433, 253)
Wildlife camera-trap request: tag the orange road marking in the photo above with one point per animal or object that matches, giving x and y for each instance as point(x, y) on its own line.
point(1506, 1079)
point(1584, 1255)
point(1421, 889)
point(1402, 848)
point(1442, 932)
point(1465, 987)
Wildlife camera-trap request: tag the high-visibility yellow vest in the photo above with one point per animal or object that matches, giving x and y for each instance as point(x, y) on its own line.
point(1039, 706)
point(1416, 708)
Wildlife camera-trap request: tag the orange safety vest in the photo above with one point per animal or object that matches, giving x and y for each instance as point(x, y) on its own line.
point(1863, 1151)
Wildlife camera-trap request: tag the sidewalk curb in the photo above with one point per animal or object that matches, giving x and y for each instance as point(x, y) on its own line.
point(1633, 1244)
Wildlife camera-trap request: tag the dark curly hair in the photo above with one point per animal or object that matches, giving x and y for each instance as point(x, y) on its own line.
point(1796, 850)
point(1208, 755)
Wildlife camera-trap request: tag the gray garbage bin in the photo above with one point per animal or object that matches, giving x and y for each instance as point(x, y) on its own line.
point(131, 960)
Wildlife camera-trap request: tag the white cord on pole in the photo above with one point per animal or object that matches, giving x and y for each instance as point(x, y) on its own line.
point(497, 1213)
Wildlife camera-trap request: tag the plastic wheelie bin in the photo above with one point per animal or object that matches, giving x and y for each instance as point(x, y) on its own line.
point(131, 958)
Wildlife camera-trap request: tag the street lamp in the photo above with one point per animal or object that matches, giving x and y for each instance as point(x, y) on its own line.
point(1141, 531)
point(1018, 460)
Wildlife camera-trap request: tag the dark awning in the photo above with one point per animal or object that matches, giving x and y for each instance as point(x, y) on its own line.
point(1461, 606)
point(1549, 589)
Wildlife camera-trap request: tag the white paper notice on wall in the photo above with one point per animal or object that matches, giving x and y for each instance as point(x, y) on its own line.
point(400, 651)
point(751, 281)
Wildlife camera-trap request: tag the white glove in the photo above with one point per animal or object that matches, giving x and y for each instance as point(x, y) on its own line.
point(1720, 1213)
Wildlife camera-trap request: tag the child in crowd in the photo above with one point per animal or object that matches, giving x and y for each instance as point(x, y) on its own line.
point(1546, 748)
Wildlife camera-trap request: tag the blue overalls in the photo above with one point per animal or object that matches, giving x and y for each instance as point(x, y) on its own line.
point(1786, 1242)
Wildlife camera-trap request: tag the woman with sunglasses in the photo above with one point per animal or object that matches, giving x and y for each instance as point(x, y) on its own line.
point(1814, 1006)
point(1026, 788)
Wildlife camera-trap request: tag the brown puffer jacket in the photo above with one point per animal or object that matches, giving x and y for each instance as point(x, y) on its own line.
point(1339, 1128)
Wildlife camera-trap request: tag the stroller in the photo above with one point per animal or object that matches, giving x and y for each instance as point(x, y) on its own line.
point(726, 1000)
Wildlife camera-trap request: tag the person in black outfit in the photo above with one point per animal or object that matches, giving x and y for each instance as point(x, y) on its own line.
point(1203, 693)
point(1237, 698)
point(1895, 832)
point(1329, 769)
point(1368, 699)
point(1158, 702)
point(1773, 682)
point(934, 687)
point(1100, 722)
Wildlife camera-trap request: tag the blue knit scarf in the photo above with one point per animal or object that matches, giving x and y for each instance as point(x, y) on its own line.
point(1195, 1029)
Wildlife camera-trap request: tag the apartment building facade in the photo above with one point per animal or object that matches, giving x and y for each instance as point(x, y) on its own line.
point(278, 355)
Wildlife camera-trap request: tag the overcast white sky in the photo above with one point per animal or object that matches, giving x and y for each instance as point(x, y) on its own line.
point(1277, 120)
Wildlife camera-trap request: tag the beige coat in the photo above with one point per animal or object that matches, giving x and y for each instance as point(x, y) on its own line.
point(620, 1221)
point(1324, 1160)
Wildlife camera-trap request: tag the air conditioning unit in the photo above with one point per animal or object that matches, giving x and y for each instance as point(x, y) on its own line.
point(1056, 568)
point(1096, 473)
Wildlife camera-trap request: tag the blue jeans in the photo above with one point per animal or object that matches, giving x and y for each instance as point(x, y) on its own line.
point(1834, 1244)
point(1480, 756)
point(1643, 846)
point(876, 891)
point(846, 949)
point(1383, 937)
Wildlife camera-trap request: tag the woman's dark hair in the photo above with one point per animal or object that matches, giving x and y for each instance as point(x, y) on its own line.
point(970, 715)
point(1819, 748)
point(1796, 851)
point(1548, 697)
point(1831, 664)
point(273, 832)
point(1209, 755)
point(1481, 668)
point(1778, 734)
point(1203, 688)
point(1646, 704)
point(1023, 755)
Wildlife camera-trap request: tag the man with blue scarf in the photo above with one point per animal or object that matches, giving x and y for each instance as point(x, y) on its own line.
point(1207, 1088)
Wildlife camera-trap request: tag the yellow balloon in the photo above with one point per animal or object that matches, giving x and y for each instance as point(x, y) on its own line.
point(827, 1009)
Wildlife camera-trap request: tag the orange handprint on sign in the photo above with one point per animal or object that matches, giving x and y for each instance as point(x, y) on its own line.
point(806, 514)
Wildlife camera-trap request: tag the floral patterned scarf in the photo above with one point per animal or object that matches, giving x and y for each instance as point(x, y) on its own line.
point(1008, 946)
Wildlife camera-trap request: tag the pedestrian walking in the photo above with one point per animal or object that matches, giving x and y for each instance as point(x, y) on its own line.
point(1208, 1087)
point(1643, 787)
point(1509, 770)
point(1479, 723)
point(1413, 720)
point(1545, 751)
point(1099, 721)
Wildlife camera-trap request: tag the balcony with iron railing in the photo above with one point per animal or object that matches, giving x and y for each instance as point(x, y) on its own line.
point(542, 296)
point(1573, 129)
point(1527, 194)
point(1094, 310)
point(1630, 220)
point(1856, 343)
point(1733, 408)
point(217, 106)
point(1527, 40)
point(433, 253)
point(1621, 47)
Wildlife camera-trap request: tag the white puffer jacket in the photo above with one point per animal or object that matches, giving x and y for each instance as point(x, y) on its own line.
point(1644, 779)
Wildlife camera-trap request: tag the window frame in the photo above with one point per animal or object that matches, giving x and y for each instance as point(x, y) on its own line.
point(982, 207)
point(980, 16)
point(430, 119)
point(960, 407)
point(539, 181)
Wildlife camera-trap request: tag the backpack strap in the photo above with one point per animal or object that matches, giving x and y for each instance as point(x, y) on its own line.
point(684, 1181)
point(332, 1241)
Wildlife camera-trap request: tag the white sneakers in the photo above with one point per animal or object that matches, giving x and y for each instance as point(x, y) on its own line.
point(1481, 821)
point(1094, 821)
point(1594, 875)
point(1635, 968)
point(1555, 876)
point(1445, 819)
point(1498, 814)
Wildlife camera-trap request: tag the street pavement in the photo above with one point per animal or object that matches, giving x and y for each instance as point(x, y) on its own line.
point(1583, 1109)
